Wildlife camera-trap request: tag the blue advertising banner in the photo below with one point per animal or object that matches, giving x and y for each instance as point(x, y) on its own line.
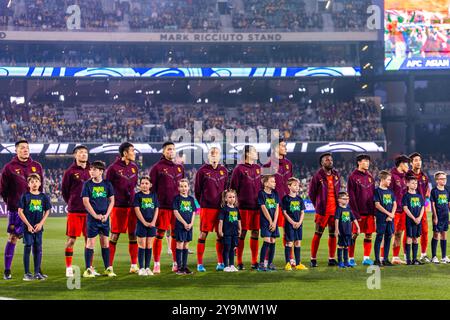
point(219, 72)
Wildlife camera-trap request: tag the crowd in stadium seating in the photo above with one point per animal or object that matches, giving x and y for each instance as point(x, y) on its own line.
point(50, 123)
point(297, 121)
point(51, 14)
point(199, 15)
point(341, 121)
point(320, 120)
point(351, 15)
point(175, 15)
point(288, 15)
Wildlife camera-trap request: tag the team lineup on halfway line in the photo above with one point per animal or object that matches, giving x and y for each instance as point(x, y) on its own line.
point(257, 199)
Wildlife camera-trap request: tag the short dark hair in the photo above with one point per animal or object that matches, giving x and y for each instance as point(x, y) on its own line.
point(323, 155)
point(98, 164)
point(361, 157)
point(21, 141)
point(402, 159)
point(125, 146)
point(246, 150)
point(410, 177)
point(167, 143)
point(415, 154)
point(81, 146)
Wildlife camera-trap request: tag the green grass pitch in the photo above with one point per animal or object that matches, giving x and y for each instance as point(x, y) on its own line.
point(399, 282)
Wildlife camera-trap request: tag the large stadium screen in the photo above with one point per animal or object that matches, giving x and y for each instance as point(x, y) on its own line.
point(416, 34)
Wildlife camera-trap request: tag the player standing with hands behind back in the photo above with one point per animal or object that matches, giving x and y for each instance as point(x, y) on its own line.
point(123, 175)
point(72, 184)
point(165, 176)
point(323, 192)
point(361, 188)
point(424, 190)
point(210, 182)
point(246, 180)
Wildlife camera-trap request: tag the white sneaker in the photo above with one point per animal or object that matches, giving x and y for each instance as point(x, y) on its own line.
point(69, 272)
point(149, 272)
point(142, 272)
point(435, 260)
point(233, 269)
point(174, 267)
point(445, 260)
point(94, 272)
point(134, 268)
point(227, 269)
